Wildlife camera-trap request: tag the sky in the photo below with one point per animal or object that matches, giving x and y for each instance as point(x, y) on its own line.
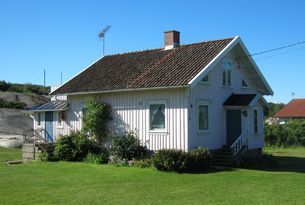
point(62, 36)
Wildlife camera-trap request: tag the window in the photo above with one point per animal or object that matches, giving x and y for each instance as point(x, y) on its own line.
point(205, 79)
point(157, 116)
point(39, 119)
point(226, 72)
point(255, 121)
point(203, 117)
point(244, 84)
point(60, 118)
point(84, 112)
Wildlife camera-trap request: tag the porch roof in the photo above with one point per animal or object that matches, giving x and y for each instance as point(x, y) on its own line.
point(50, 106)
point(239, 100)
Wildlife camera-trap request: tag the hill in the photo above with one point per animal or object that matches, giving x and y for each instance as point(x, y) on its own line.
point(14, 121)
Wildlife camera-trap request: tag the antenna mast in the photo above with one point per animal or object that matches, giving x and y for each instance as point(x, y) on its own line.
point(102, 36)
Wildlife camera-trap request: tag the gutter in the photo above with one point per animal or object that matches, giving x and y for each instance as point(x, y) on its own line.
point(123, 90)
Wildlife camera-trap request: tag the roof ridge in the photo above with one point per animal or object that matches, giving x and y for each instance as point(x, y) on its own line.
point(156, 49)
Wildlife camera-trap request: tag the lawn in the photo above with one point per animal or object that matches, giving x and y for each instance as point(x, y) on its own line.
point(80, 183)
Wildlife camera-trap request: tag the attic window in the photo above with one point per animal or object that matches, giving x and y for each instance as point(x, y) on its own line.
point(244, 84)
point(205, 79)
point(227, 72)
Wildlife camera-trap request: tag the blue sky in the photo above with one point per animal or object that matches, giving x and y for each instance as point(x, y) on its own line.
point(61, 36)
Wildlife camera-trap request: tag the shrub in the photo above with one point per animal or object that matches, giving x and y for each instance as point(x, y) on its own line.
point(43, 157)
point(12, 104)
point(96, 119)
point(127, 147)
point(101, 158)
point(169, 160)
point(142, 163)
point(198, 159)
point(73, 147)
point(290, 134)
point(179, 161)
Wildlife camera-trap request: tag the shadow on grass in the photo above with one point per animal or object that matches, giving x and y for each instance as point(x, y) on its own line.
point(283, 164)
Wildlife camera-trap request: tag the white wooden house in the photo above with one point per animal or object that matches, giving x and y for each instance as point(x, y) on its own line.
point(180, 96)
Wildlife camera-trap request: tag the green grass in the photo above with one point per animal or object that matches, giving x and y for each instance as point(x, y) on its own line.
point(80, 183)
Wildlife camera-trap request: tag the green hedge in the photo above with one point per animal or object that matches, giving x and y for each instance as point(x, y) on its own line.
point(289, 134)
point(197, 160)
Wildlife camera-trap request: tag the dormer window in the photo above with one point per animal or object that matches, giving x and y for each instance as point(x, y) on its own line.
point(227, 72)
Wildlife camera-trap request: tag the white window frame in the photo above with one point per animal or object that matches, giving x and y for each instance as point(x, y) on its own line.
point(156, 102)
point(225, 73)
point(255, 110)
point(243, 80)
point(208, 104)
point(208, 82)
point(60, 119)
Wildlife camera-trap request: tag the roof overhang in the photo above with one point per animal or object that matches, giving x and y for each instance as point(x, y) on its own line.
point(52, 106)
point(251, 69)
point(125, 90)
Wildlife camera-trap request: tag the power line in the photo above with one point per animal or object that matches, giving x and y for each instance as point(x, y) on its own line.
point(275, 49)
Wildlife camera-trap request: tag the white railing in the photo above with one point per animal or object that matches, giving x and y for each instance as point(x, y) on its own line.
point(239, 143)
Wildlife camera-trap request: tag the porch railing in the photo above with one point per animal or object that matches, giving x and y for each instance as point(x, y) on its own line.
point(239, 143)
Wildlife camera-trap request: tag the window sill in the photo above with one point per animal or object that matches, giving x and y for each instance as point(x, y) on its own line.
point(203, 131)
point(204, 83)
point(60, 127)
point(162, 132)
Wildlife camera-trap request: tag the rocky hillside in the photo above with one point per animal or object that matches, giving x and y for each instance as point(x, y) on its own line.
point(13, 122)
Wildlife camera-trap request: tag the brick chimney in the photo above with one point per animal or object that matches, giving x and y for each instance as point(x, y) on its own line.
point(171, 39)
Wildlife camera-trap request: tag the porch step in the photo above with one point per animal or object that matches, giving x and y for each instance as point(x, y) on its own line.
point(224, 157)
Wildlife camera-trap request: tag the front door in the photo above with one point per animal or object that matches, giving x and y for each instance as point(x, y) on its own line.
point(49, 127)
point(233, 120)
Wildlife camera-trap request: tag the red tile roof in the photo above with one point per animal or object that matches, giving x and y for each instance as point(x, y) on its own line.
point(145, 69)
point(295, 108)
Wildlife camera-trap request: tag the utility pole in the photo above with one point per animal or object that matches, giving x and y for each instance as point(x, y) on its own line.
point(44, 77)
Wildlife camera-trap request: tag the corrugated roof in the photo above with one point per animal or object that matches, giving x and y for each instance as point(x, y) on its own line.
point(145, 69)
point(239, 100)
point(295, 108)
point(50, 106)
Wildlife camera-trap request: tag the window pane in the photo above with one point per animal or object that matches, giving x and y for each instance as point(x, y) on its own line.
point(203, 112)
point(39, 119)
point(224, 78)
point(244, 84)
point(229, 77)
point(255, 122)
point(157, 116)
point(205, 78)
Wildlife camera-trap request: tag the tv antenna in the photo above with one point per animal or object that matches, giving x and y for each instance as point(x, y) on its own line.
point(102, 36)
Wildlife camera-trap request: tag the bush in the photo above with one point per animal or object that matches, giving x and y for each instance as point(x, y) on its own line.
point(179, 161)
point(127, 147)
point(96, 119)
point(142, 163)
point(289, 134)
point(73, 147)
point(12, 104)
point(169, 160)
point(101, 158)
point(197, 160)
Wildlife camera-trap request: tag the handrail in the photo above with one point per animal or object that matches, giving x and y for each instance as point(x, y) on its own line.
point(239, 143)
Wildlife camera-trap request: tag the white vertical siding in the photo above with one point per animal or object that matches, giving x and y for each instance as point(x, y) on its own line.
point(216, 94)
point(131, 112)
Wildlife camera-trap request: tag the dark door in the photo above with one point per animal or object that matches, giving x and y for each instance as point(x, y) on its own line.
point(233, 120)
point(49, 127)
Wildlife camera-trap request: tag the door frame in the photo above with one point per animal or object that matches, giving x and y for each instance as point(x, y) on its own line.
point(49, 133)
